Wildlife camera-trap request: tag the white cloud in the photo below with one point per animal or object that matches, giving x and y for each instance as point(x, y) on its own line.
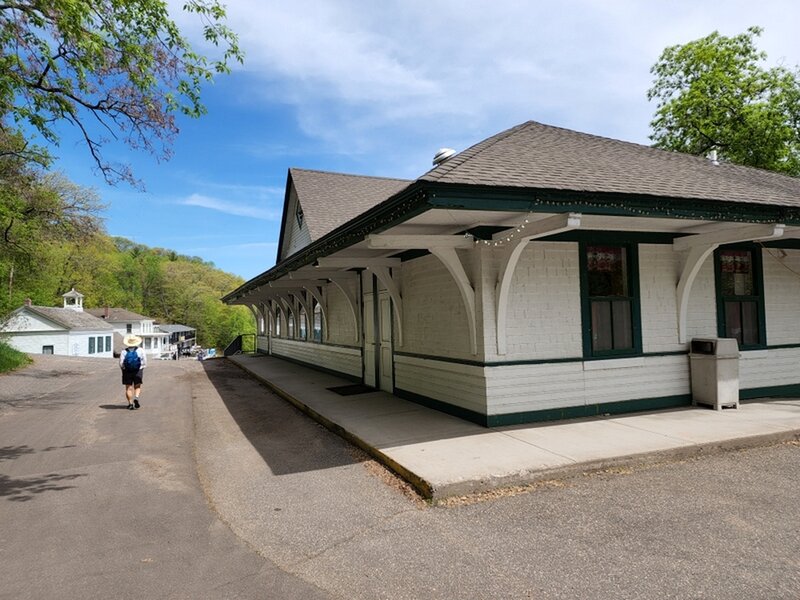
point(350, 66)
point(232, 208)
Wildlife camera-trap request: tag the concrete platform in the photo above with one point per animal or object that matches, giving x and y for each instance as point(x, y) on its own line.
point(442, 456)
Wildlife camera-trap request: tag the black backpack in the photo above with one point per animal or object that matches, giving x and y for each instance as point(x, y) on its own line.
point(131, 363)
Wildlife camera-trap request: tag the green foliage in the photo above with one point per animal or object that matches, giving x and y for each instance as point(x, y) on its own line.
point(715, 94)
point(11, 359)
point(118, 68)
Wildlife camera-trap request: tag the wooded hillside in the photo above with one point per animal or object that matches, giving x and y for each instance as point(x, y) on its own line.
point(116, 272)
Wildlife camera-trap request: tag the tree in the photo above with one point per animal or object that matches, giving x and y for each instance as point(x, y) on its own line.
point(117, 68)
point(715, 94)
point(37, 210)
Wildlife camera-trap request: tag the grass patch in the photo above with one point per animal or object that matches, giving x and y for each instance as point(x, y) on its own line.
point(11, 359)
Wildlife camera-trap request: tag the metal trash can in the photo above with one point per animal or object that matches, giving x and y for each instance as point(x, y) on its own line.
point(714, 364)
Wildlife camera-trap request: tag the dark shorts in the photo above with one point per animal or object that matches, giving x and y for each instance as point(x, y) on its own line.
point(129, 378)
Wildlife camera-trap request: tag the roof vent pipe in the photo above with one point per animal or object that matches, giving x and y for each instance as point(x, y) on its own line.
point(442, 155)
point(712, 157)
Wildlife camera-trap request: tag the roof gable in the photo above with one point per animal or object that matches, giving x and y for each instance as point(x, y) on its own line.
point(537, 156)
point(328, 200)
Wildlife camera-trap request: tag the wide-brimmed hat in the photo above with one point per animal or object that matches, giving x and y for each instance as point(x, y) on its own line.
point(131, 340)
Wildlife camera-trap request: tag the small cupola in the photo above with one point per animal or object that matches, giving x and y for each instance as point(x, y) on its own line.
point(73, 300)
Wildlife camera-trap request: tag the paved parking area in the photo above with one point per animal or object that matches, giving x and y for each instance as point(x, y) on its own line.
point(445, 456)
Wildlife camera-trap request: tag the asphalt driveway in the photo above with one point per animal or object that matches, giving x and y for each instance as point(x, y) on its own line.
point(218, 489)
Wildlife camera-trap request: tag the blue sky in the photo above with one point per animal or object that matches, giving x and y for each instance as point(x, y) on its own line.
point(375, 88)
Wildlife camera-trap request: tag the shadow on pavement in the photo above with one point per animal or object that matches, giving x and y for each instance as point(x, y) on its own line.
point(25, 489)
point(113, 406)
point(287, 440)
point(12, 452)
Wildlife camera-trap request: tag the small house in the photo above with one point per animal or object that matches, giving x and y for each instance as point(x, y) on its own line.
point(67, 331)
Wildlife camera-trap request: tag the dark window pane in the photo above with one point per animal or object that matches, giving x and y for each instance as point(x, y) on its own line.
point(736, 269)
point(607, 270)
point(601, 326)
point(750, 323)
point(623, 332)
point(733, 320)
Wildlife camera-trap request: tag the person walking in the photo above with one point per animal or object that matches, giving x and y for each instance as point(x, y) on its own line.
point(132, 361)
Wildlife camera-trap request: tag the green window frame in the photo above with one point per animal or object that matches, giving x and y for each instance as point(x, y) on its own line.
point(610, 303)
point(739, 281)
point(91, 345)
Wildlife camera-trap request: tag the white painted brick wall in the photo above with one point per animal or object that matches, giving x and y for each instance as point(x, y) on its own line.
point(659, 271)
point(434, 317)
point(341, 326)
point(782, 296)
point(701, 318)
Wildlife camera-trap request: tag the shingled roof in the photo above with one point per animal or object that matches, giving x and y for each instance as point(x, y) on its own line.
point(116, 314)
point(70, 319)
point(533, 155)
point(332, 199)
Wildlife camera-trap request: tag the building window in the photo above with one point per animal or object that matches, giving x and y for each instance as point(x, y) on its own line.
point(128, 328)
point(277, 331)
point(317, 322)
point(91, 345)
point(47, 349)
point(610, 300)
point(303, 322)
point(290, 325)
point(298, 213)
point(108, 343)
point(740, 301)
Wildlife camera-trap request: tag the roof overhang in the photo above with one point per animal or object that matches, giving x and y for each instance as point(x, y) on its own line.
point(423, 215)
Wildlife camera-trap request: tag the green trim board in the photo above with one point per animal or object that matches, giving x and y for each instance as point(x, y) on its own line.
point(614, 237)
point(485, 197)
point(590, 410)
point(445, 407)
point(543, 361)
point(787, 391)
point(548, 414)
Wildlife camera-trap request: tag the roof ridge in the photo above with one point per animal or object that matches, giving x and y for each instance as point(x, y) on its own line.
point(462, 157)
point(323, 172)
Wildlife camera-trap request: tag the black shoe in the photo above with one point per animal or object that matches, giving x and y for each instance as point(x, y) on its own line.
point(135, 403)
point(130, 407)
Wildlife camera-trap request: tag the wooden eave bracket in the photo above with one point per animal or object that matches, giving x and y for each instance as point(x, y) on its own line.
point(544, 228)
point(444, 248)
point(700, 247)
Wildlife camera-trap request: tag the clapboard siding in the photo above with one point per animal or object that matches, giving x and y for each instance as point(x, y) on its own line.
point(334, 358)
point(521, 388)
point(782, 295)
point(456, 384)
point(767, 368)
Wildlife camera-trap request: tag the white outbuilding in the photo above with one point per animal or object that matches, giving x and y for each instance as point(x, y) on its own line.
point(67, 331)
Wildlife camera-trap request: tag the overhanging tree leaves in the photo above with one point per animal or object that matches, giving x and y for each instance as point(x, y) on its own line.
point(715, 94)
point(112, 68)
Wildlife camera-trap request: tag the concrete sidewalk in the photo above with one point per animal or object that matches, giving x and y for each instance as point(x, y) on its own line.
point(445, 456)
